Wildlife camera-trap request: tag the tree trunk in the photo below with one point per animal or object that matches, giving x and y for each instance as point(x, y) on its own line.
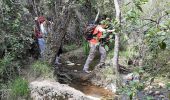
point(59, 29)
point(117, 43)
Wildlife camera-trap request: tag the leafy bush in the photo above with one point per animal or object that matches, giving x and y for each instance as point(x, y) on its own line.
point(16, 38)
point(41, 68)
point(8, 69)
point(19, 87)
point(132, 89)
point(70, 47)
point(168, 85)
point(86, 47)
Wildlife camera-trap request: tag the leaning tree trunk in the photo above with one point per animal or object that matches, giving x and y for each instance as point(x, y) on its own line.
point(117, 43)
point(56, 36)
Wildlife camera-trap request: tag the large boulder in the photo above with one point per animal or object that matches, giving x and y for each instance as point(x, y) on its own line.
point(48, 90)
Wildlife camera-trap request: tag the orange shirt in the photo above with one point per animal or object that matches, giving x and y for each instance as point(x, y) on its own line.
point(98, 31)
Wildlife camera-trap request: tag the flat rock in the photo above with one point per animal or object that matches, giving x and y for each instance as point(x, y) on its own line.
point(48, 90)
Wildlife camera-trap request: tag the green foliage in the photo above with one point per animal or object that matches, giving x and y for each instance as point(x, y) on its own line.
point(19, 87)
point(81, 2)
point(132, 88)
point(155, 42)
point(168, 85)
point(70, 47)
point(4, 63)
point(138, 4)
point(41, 68)
point(86, 47)
point(149, 98)
point(157, 39)
point(105, 6)
point(15, 35)
point(106, 47)
point(8, 69)
point(107, 39)
point(50, 3)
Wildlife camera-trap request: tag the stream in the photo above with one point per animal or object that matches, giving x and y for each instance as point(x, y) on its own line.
point(92, 90)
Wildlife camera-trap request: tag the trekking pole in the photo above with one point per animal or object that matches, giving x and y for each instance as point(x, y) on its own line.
point(97, 16)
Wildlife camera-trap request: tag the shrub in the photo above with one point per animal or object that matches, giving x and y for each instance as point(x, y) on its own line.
point(42, 68)
point(86, 47)
point(19, 87)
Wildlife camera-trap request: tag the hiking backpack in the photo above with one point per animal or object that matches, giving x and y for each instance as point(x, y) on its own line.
point(88, 33)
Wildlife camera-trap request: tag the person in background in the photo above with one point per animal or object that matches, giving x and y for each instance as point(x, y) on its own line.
point(40, 33)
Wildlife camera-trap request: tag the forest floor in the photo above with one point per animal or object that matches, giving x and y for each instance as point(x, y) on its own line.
point(71, 67)
point(73, 62)
point(70, 73)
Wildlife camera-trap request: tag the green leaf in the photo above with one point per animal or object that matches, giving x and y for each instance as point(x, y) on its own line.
point(139, 7)
point(106, 47)
point(111, 40)
point(162, 45)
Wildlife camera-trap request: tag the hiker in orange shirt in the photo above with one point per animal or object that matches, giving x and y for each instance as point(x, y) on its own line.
point(94, 44)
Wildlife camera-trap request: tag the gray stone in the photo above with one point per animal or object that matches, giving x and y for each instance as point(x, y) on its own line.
point(54, 90)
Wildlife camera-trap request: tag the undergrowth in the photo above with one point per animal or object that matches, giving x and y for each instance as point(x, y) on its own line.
point(43, 69)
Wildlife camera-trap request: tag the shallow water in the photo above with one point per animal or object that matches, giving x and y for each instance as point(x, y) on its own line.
point(92, 90)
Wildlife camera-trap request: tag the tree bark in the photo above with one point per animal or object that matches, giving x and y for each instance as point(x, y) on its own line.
point(117, 43)
point(58, 32)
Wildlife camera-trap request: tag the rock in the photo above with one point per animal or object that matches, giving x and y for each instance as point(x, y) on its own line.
point(48, 90)
point(148, 88)
point(71, 64)
point(129, 76)
point(75, 70)
point(161, 85)
point(68, 62)
point(113, 86)
point(93, 98)
point(78, 64)
point(150, 92)
point(157, 93)
point(162, 96)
